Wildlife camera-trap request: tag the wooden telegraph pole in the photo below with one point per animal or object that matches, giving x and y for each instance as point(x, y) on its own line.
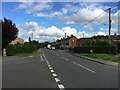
point(110, 30)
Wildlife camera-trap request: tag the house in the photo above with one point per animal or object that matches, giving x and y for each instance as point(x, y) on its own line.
point(17, 40)
point(113, 37)
point(82, 41)
point(67, 42)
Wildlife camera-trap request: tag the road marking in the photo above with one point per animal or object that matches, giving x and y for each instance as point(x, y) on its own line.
point(54, 74)
point(61, 86)
point(57, 79)
point(52, 71)
point(50, 67)
point(84, 67)
point(64, 58)
point(41, 58)
point(44, 57)
point(67, 59)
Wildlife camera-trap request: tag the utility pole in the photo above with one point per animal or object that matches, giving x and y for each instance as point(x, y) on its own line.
point(32, 36)
point(83, 35)
point(109, 29)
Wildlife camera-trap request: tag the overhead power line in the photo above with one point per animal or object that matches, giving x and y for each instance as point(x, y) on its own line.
point(100, 15)
point(94, 19)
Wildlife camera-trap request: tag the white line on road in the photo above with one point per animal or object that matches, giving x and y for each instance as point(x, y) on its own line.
point(50, 68)
point(84, 67)
point(61, 86)
point(54, 74)
point(49, 65)
point(41, 58)
point(44, 57)
point(57, 79)
point(67, 59)
point(52, 71)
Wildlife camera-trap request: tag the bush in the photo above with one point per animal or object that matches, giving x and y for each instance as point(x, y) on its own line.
point(96, 49)
point(11, 50)
point(21, 48)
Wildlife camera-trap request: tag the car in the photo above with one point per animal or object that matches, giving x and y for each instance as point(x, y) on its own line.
point(52, 48)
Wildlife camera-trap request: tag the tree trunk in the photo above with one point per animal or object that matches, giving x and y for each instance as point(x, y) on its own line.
point(4, 52)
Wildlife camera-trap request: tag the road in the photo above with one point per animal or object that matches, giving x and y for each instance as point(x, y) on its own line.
point(58, 69)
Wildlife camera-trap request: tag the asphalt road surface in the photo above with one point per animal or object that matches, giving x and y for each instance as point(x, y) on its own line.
point(58, 69)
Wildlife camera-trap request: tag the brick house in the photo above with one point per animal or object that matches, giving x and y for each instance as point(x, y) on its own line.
point(72, 41)
point(67, 42)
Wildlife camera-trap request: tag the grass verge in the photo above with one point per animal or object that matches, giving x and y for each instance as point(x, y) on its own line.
point(111, 57)
point(36, 53)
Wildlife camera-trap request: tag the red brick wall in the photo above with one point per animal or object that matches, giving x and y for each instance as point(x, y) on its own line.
point(72, 41)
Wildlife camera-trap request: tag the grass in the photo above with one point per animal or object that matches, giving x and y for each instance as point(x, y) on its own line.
point(111, 57)
point(36, 53)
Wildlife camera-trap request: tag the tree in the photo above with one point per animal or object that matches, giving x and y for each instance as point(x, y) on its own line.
point(9, 32)
point(29, 40)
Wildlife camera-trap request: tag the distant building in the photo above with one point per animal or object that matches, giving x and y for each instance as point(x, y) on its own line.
point(17, 40)
point(67, 42)
point(82, 41)
point(113, 37)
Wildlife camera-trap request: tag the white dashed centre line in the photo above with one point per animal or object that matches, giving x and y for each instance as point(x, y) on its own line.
point(59, 84)
point(57, 79)
point(67, 59)
point(41, 58)
point(52, 71)
point(54, 74)
point(50, 68)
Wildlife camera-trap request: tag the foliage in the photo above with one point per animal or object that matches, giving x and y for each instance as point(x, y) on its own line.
point(96, 42)
point(21, 48)
point(9, 32)
point(96, 49)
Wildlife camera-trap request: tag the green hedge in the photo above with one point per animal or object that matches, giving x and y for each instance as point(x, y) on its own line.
point(20, 48)
point(96, 49)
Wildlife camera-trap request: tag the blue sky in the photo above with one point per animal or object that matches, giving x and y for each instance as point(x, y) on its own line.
point(51, 20)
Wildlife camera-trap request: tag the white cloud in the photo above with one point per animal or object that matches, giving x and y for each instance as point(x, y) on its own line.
point(35, 7)
point(49, 34)
point(70, 13)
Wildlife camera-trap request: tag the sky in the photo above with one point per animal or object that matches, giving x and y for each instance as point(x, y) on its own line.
point(49, 21)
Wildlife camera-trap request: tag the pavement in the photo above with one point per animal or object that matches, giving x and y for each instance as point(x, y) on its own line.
point(57, 69)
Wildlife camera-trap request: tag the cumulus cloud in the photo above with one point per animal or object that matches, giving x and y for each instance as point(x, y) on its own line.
point(53, 32)
point(69, 13)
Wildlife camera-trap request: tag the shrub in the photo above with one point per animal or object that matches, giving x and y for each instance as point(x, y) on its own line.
point(10, 50)
point(21, 48)
point(96, 49)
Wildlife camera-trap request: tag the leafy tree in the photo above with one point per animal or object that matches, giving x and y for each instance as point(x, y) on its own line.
point(9, 32)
